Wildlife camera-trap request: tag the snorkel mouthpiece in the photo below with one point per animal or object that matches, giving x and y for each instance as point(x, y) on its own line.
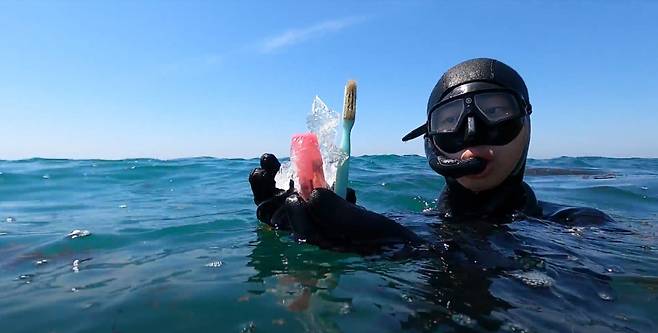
point(451, 167)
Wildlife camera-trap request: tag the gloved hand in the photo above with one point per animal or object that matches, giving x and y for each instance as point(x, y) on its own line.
point(325, 219)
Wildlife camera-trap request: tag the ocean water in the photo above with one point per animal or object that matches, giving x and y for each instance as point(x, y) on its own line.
point(173, 246)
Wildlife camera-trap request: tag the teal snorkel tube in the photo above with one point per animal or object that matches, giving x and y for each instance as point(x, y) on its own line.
point(349, 113)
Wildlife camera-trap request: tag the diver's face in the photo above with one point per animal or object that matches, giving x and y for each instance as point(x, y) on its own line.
point(501, 161)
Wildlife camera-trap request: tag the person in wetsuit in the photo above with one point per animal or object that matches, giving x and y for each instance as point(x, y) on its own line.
point(476, 135)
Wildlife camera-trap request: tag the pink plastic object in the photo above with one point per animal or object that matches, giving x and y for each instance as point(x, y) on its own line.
point(306, 157)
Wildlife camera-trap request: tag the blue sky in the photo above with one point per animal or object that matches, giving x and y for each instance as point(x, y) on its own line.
point(168, 79)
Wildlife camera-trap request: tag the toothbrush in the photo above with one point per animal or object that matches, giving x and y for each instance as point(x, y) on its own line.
point(349, 112)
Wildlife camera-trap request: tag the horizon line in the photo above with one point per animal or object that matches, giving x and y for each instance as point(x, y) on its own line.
point(283, 157)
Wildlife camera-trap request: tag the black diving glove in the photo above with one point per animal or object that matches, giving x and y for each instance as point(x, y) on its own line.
point(325, 219)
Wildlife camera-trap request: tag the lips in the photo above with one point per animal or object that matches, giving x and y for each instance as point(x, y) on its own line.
point(483, 153)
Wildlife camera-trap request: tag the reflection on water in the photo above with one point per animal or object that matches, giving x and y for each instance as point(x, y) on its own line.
point(515, 277)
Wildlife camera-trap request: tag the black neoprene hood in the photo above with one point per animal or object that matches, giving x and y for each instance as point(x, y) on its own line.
point(483, 70)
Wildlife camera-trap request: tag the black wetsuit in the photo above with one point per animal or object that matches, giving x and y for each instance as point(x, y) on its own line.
point(512, 199)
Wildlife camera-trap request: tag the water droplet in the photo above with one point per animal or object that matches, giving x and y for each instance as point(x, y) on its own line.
point(26, 277)
point(78, 233)
point(41, 262)
point(123, 206)
point(407, 298)
point(214, 264)
point(10, 219)
point(132, 167)
point(534, 279)
point(643, 187)
point(45, 176)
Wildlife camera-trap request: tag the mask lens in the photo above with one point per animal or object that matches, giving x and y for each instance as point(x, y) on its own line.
point(497, 107)
point(446, 118)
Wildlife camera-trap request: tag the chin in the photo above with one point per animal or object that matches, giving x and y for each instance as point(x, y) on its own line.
point(475, 187)
point(479, 185)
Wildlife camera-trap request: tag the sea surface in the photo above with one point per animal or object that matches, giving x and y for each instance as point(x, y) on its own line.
point(146, 245)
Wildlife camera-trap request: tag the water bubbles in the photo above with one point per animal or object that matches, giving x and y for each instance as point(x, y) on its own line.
point(45, 176)
point(76, 264)
point(214, 264)
point(26, 276)
point(535, 279)
point(515, 328)
point(642, 188)
point(250, 327)
point(576, 231)
point(279, 322)
point(463, 320)
point(407, 298)
point(41, 262)
point(123, 206)
point(10, 219)
point(346, 308)
point(78, 233)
